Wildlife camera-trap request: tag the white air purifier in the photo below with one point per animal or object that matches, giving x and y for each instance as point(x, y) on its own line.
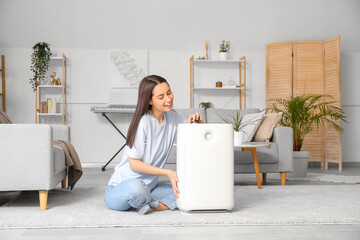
point(205, 167)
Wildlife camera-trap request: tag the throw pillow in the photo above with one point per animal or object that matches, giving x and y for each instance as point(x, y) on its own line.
point(266, 128)
point(250, 123)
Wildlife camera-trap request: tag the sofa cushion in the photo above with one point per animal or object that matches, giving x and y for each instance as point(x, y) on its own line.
point(59, 159)
point(264, 154)
point(250, 123)
point(172, 156)
point(61, 132)
point(212, 114)
point(186, 112)
point(266, 128)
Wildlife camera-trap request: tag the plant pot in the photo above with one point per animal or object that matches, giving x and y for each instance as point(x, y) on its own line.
point(300, 163)
point(238, 138)
point(223, 56)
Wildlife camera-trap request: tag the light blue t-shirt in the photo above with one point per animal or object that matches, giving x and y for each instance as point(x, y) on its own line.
point(153, 142)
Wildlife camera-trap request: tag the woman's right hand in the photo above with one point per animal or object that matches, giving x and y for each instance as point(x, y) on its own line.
point(172, 175)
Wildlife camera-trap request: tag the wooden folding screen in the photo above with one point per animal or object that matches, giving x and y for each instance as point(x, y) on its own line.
point(304, 67)
point(333, 146)
point(308, 77)
point(278, 71)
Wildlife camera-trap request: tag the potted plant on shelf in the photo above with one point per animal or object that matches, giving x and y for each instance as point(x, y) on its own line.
point(224, 49)
point(40, 59)
point(302, 114)
point(206, 105)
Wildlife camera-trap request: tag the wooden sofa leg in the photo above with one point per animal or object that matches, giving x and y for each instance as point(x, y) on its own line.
point(63, 183)
point(264, 178)
point(43, 196)
point(283, 178)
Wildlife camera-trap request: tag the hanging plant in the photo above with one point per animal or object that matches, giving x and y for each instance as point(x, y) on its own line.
point(40, 59)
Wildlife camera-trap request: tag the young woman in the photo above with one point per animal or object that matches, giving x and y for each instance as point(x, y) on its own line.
point(149, 140)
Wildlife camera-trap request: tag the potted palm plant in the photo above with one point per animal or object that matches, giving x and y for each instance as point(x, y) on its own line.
point(40, 59)
point(303, 114)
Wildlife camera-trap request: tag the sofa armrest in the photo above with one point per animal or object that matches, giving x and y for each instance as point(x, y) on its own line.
point(61, 132)
point(26, 153)
point(283, 137)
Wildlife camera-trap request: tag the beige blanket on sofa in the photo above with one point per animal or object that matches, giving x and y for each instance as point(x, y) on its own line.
point(72, 161)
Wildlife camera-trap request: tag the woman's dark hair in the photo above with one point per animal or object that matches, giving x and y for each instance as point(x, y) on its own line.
point(143, 104)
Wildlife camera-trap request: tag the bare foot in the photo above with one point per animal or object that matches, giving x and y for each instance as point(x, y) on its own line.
point(162, 207)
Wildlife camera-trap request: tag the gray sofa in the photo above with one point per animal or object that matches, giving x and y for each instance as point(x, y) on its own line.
point(30, 161)
point(275, 159)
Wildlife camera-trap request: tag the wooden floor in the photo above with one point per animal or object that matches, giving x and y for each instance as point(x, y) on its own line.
point(293, 232)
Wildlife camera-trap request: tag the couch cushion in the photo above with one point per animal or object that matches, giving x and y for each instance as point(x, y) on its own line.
point(266, 128)
point(250, 123)
point(172, 156)
point(212, 114)
point(186, 112)
point(264, 154)
point(61, 132)
point(59, 159)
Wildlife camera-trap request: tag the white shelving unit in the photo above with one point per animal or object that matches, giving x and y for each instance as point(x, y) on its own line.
point(219, 89)
point(50, 86)
point(241, 87)
point(50, 114)
point(38, 96)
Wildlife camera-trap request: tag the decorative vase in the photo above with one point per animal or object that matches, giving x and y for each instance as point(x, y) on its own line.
point(300, 163)
point(223, 56)
point(51, 104)
point(44, 107)
point(238, 138)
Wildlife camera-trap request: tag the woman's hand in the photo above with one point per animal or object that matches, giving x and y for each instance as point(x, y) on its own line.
point(195, 118)
point(172, 175)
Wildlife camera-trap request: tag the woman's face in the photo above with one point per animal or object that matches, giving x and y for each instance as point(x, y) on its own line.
point(162, 98)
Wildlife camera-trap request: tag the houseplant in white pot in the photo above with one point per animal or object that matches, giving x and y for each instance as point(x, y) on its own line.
point(224, 49)
point(238, 132)
point(304, 113)
point(239, 127)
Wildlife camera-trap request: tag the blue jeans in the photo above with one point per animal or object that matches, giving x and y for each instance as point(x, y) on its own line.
point(135, 193)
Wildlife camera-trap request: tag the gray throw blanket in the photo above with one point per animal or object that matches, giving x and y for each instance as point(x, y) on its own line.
point(72, 161)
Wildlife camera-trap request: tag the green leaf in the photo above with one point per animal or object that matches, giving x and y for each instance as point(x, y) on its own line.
point(304, 113)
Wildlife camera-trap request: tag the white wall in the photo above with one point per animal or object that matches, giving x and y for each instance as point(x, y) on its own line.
point(171, 31)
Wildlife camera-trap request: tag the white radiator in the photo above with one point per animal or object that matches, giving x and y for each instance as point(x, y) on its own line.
point(205, 167)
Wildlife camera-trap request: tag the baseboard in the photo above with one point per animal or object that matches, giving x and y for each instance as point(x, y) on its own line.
point(311, 164)
point(334, 165)
point(99, 165)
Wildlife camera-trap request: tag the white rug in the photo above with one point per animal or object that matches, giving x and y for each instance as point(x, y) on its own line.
point(327, 178)
point(84, 207)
